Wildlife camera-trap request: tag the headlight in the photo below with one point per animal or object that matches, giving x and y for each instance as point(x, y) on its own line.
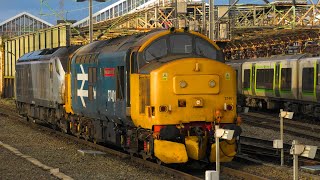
point(183, 84)
point(212, 83)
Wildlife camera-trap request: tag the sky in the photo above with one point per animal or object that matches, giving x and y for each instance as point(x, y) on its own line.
point(72, 9)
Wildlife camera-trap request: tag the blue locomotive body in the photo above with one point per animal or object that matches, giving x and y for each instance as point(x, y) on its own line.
point(99, 85)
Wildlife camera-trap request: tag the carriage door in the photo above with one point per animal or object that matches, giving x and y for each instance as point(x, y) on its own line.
point(277, 86)
point(120, 91)
point(253, 79)
point(318, 81)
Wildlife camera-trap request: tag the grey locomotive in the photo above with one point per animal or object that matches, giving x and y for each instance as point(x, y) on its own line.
point(38, 76)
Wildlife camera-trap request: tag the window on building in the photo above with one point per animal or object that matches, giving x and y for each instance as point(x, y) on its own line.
point(308, 80)
point(286, 79)
point(265, 78)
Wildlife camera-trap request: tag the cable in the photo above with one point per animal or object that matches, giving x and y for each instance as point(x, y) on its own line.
point(74, 10)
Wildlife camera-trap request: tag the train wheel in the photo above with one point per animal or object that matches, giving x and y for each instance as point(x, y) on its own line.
point(64, 126)
point(159, 161)
point(54, 127)
point(144, 156)
point(131, 154)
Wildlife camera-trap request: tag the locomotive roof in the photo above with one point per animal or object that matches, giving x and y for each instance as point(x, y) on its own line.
point(39, 54)
point(121, 43)
point(46, 54)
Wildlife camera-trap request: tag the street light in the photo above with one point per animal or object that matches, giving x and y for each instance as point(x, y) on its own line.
point(90, 16)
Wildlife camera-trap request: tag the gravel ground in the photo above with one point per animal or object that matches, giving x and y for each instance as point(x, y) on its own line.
point(268, 170)
point(272, 172)
point(269, 134)
point(61, 154)
point(14, 167)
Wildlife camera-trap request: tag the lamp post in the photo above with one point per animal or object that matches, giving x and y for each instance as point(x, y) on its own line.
point(90, 16)
point(223, 134)
point(211, 20)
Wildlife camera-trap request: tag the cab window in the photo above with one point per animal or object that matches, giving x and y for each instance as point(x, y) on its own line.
point(203, 48)
point(157, 50)
point(181, 44)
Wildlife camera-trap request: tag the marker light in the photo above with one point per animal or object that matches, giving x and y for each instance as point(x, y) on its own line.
point(212, 83)
point(229, 107)
point(163, 108)
point(183, 84)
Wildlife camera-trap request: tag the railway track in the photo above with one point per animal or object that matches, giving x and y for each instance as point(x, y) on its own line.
point(263, 149)
point(290, 127)
point(9, 111)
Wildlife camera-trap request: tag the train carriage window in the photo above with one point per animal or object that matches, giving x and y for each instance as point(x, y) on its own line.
point(51, 70)
point(286, 79)
point(156, 50)
point(265, 79)
point(57, 66)
point(203, 48)
point(78, 59)
point(181, 44)
point(92, 79)
point(92, 75)
point(82, 58)
point(307, 80)
point(90, 92)
point(87, 59)
point(120, 82)
point(246, 79)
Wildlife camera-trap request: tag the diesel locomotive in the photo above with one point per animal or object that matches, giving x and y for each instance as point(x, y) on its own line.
point(291, 82)
point(158, 95)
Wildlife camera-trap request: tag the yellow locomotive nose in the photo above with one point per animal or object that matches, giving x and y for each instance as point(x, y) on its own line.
point(191, 92)
point(190, 96)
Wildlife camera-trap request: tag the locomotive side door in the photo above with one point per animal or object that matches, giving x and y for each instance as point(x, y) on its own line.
point(113, 83)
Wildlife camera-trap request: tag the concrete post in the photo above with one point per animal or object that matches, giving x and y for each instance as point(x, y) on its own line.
point(90, 21)
point(295, 162)
point(281, 137)
point(217, 153)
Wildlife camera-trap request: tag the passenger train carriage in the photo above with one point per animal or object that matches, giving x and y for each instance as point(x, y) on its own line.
point(291, 82)
point(157, 94)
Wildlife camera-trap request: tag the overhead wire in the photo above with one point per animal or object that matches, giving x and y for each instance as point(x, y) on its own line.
point(44, 2)
point(59, 15)
point(79, 9)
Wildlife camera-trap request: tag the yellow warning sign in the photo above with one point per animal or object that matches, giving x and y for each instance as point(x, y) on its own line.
point(227, 76)
point(164, 76)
